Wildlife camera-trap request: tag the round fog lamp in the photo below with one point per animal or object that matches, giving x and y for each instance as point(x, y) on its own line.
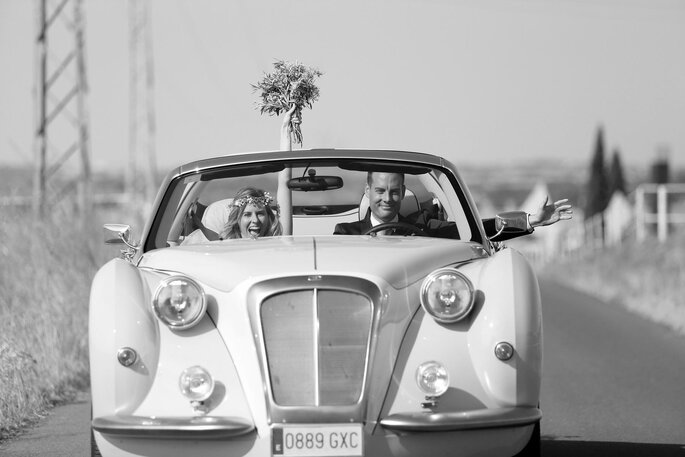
point(432, 378)
point(196, 383)
point(504, 351)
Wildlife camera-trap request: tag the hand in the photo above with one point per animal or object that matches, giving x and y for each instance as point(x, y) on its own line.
point(286, 129)
point(288, 117)
point(549, 214)
point(192, 215)
point(211, 235)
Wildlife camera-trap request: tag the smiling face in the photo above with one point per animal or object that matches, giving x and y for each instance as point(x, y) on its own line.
point(254, 221)
point(385, 192)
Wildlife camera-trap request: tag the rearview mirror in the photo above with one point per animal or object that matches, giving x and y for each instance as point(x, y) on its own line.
point(315, 183)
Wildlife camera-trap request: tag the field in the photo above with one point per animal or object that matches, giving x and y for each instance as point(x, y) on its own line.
point(647, 278)
point(45, 276)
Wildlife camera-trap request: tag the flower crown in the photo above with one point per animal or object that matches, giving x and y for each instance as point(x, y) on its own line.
point(264, 200)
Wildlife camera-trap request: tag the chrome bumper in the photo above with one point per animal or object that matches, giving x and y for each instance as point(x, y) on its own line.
point(465, 420)
point(172, 427)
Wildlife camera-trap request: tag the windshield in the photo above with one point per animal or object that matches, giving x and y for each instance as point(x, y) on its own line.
point(198, 205)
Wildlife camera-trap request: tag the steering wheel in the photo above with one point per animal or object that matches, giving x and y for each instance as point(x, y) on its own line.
point(403, 228)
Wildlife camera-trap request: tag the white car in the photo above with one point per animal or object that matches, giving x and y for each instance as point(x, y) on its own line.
point(316, 344)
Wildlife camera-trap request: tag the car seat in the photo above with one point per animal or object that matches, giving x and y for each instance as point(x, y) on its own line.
point(215, 216)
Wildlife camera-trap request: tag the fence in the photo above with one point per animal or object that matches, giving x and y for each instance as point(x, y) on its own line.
point(652, 208)
point(665, 213)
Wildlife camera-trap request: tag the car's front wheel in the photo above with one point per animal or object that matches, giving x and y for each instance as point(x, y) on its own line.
point(532, 448)
point(94, 451)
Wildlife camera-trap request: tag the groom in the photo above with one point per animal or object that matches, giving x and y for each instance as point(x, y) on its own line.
point(385, 192)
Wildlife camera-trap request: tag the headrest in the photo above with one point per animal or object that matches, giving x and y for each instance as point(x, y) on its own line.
point(215, 216)
point(410, 205)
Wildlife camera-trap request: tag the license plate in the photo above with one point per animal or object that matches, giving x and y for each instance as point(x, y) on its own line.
point(317, 440)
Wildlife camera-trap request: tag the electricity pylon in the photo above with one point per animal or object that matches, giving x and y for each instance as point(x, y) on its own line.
point(141, 177)
point(61, 143)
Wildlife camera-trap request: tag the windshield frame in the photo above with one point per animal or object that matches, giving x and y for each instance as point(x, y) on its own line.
point(199, 172)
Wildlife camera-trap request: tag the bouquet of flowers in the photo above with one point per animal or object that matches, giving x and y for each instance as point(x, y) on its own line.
point(289, 84)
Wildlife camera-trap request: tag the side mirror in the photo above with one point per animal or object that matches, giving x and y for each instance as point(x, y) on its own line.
point(515, 222)
point(315, 183)
point(119, 234)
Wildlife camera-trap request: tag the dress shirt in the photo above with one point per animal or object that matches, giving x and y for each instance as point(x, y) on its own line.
point(375, 222)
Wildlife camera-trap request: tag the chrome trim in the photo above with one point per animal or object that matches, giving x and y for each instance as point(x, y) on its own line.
point(172, 427)
point(313, 414)
point(463, 420)
point(298, 154)
point(315, 342)
point(305, 154)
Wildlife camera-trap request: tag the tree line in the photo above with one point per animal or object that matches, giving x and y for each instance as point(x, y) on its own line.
point(605, 179)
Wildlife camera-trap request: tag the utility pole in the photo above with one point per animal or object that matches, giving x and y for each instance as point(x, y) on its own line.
point(141, 179)
point(62, 138)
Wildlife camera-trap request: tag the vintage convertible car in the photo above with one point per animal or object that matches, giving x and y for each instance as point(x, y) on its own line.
point(316, 344)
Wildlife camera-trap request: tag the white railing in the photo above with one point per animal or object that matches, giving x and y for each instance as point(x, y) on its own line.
point(664, 216)
point(652, 210)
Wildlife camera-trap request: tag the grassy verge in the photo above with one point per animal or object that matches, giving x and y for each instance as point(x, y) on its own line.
point(46, 267)
point(645, 277)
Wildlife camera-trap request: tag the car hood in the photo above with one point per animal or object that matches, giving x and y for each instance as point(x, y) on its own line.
point(398, 260)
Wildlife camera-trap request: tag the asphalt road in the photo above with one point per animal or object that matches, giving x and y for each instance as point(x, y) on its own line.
point(614, 385)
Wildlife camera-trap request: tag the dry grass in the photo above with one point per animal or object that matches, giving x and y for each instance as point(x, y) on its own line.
point(45, 272)
point(645, 277)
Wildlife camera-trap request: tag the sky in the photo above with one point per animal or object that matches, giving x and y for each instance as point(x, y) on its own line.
point(476, 81)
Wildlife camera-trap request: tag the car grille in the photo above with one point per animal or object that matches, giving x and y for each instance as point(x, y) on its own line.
point(316, 345)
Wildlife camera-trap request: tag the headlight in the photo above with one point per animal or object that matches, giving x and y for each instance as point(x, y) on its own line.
point(447, 295)
point(196, 383)
point(179, 302)
point(432, 378)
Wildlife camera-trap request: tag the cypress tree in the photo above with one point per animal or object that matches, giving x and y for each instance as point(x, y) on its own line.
point(617, 182)
point(597, 196)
